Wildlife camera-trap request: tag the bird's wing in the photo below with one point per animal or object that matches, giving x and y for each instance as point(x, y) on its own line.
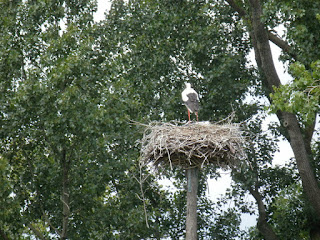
point(194, 92)
point(193, 97)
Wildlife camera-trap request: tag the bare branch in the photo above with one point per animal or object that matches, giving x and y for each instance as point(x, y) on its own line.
point(237, 8)
point(142, 198)
point(272, 37)
point(36, 232)
point(263, 226)
point(65, 198)
point(50, 224)
point(281, 44)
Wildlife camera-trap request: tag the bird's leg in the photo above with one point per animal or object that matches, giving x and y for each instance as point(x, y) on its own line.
point(197, 116)
point(189, 115)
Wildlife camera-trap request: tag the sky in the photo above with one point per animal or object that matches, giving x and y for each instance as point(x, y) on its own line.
point(217, 188)
point(103, 5)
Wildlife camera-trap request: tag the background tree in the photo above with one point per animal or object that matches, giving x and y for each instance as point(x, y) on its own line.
point(59, 134)
point(163, 52)
point(70, 86)
point(262, 17)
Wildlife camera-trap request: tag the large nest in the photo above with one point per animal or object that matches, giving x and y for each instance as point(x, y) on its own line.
point(192, 144)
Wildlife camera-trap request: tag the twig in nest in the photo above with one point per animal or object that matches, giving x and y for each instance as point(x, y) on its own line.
point(193, 144)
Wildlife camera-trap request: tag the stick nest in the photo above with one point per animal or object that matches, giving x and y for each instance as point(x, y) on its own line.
point(192, 144)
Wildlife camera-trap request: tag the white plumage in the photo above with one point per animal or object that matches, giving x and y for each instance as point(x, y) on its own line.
point(191, 100)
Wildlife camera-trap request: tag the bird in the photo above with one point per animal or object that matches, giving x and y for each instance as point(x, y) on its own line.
point(191, 100)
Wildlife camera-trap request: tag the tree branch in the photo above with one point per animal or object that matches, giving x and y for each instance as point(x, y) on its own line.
point(282, 44)
point(237, 8)
point(65, 197)
point(288, 120)
point(263, 226)
point(36, 232)
point(279, 42)
point(50, 224)
point(272, 37)
point(308, 133)
point(141, 180)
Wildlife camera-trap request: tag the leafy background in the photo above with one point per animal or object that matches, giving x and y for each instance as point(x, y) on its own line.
point(71, 88)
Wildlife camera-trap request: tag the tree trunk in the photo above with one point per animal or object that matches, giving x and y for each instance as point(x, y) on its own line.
point(192, 190)
point(289, 120)
point(263, 226)
point(315, 233)
point(65, 165)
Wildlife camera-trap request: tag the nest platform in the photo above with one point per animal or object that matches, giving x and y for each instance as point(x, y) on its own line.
point(192, 144)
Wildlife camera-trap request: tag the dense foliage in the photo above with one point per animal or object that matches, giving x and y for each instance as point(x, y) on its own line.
point(71, 90)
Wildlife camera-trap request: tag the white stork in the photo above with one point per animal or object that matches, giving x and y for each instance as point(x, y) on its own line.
point(191, 100)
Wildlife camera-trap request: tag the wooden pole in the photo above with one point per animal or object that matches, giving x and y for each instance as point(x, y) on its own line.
point(192, 190)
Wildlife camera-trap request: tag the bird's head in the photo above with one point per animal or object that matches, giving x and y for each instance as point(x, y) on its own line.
point(188, 85)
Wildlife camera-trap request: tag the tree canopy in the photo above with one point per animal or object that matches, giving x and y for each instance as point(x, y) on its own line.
point(72, 89)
